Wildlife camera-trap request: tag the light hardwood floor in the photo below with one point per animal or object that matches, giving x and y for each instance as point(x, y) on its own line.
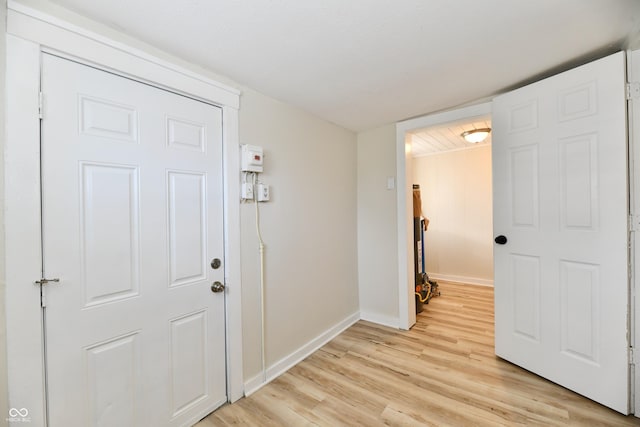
point(442, 372)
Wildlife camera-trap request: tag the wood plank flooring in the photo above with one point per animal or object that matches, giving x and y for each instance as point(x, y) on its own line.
point(442, 372)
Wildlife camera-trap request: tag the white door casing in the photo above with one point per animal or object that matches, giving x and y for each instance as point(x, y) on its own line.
point(132, 216)
point(30, 32)
point(633, 75)
point(561, 199)
point(406, 289)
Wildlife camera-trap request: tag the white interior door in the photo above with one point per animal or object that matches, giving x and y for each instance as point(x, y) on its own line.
point(560, 198)
point(132, 217)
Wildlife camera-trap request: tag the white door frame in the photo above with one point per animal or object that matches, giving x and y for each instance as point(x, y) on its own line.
point(29, 33)
point(406, 311)
point(633, 75)
point(404, 172)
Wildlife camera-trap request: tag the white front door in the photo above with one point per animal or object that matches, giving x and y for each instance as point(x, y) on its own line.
point(132, 219)
point(560, 199)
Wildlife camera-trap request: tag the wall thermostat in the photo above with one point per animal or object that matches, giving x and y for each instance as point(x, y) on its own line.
point(251, 158)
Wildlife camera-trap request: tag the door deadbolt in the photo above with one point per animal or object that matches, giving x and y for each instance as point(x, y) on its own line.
point(215, 263)
point(217, 287)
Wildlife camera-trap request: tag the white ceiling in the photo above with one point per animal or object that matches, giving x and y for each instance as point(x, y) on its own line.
point(365, 63)
point(446, 137)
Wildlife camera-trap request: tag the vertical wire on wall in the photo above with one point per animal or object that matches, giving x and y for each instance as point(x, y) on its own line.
point(262, 302)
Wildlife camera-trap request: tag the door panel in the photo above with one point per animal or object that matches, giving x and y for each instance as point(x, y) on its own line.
point(187, 227)
point(560, 197)
point(524, 197)
point(188, 368)
point(579, 182)
point(132, 212)
point(525, 278)
point(109, 232)
point(112, 372)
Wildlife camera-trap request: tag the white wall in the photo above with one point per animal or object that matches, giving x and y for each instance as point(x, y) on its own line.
point(309, 229)
point(377, 226)
point(456, 197)
point(309, 226)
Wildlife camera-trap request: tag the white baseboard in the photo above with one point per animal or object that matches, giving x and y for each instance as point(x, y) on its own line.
point(287, 362)
point(254, 384)
point(380, 319)
point(461, 279)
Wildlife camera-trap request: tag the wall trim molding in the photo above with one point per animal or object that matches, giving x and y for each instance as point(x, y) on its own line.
point(461, 279)
point(87, 34)
point(60, 37)
point(280, 367)
point(380, 319)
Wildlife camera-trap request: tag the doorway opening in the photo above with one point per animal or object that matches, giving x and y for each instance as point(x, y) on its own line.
point(454, 177)
point(560, 171)
point(419, 137)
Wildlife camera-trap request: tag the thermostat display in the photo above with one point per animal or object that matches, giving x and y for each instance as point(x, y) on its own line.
point(251, 158)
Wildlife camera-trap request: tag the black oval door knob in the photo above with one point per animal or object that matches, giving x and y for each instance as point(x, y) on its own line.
point(501, 240)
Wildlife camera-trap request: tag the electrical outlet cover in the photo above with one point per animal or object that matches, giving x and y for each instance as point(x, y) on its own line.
point(247, 191)
point(263, 193)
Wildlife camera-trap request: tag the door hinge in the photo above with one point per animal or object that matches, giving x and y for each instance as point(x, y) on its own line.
point(41, 105)
point(633, 90)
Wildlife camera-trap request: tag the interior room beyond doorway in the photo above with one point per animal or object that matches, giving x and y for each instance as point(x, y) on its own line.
point(455, 185)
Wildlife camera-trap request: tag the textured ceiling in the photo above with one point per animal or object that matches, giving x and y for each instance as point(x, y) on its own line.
point(365, 63)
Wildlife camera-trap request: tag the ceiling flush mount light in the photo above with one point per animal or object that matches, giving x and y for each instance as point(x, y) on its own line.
point(476, 135)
